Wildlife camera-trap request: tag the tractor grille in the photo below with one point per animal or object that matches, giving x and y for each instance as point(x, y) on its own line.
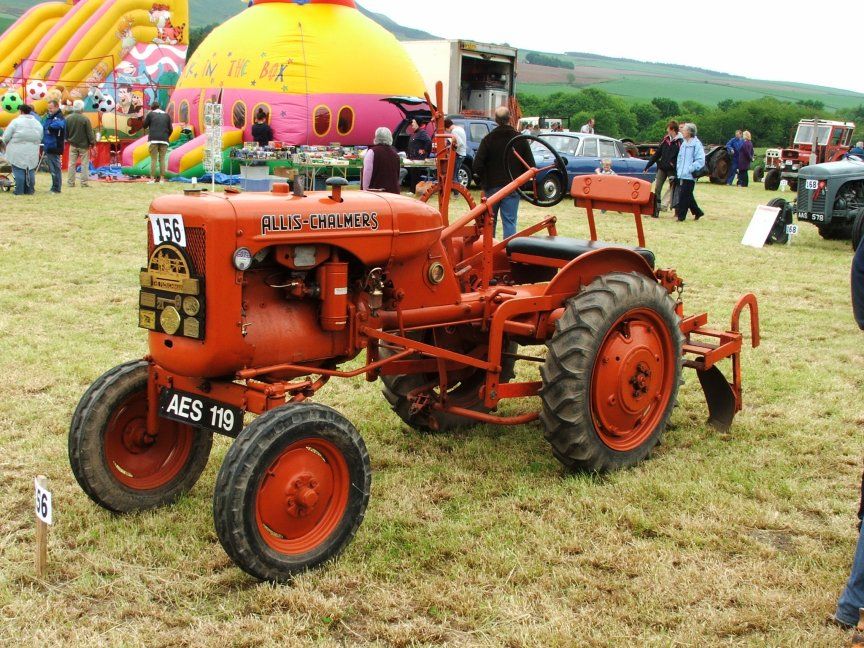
point(805, 204)
point(195, 246)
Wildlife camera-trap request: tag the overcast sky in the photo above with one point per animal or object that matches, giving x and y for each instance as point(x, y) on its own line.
point(757, 39)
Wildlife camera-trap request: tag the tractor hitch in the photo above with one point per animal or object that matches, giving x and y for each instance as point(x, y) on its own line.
point(724, 397)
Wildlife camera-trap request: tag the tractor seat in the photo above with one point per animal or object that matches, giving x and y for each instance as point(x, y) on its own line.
point(567, 249)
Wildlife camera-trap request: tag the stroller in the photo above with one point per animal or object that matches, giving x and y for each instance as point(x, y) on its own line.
point(6, 181)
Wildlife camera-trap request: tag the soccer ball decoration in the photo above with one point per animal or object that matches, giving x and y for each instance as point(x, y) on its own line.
point(107, 104)
point(95, 97)
point(11, 101)
point(37, 90)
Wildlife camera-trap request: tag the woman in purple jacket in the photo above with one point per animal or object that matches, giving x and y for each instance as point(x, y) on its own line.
point(744, 158)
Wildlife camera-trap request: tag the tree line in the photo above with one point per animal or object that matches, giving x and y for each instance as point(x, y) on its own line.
point(770, 120)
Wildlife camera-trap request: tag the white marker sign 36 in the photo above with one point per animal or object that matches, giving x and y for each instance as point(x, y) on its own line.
point(44, 508)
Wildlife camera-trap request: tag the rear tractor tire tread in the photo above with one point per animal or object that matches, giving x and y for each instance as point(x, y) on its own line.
point(568, 371)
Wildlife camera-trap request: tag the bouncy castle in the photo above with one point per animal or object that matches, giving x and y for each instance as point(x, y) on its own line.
point(116, 55)
point(317, 68)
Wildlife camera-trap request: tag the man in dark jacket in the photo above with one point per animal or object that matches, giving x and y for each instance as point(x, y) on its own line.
point(495, 172)
point(158, 125)
point(419, 148)
point(53, 140)
point(665, 157)
point(80, 135)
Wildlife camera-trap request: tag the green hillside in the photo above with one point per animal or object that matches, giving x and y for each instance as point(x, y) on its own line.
point(641, 81)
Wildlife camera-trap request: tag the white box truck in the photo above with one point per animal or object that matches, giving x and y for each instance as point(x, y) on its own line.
point(477, 77)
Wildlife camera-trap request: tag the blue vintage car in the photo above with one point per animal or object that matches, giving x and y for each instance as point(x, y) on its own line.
point(582, 154)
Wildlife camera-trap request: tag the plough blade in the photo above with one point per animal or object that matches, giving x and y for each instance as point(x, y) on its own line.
point(720, 397)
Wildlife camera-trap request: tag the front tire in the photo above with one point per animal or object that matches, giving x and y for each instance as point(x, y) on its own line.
point(778, 233)
point(292, 491)
point(115, 461)
point(612, 372)
point(772, 180)
point(758, 174)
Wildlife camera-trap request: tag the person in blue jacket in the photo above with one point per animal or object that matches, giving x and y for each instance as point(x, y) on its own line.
point(53, 140)
point(691, 159)
point(852, 598)
point(733, 146)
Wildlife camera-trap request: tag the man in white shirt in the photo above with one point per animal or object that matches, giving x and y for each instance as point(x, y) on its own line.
point(589, 127)
point(461, 145)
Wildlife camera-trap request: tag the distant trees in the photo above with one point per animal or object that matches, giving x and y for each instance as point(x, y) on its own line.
point(768, 119)
point(549, 61)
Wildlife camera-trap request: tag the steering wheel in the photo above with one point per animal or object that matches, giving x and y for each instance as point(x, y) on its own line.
point(536, 196)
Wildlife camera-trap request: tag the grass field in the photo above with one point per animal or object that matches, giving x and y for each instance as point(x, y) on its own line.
point(475, 538)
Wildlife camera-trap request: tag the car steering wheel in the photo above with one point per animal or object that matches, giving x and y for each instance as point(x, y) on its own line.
point(533, 196)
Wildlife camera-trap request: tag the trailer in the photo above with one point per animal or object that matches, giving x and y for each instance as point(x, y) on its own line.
point(477, 77)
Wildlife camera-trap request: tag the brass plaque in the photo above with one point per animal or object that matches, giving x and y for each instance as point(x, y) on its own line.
point(170, 320)
point(191, 306)
point(169, 270)
point(191, 327)
point(148, 299)
point(147, 319)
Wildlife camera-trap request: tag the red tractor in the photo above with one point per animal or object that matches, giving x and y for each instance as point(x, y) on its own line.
point(253, 301)
point(815, 141)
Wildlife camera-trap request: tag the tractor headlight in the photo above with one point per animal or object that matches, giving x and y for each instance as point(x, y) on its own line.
point(242, 259)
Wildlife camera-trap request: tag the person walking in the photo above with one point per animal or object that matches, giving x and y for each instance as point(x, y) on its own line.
point(53, 140)
point(691, 158)
point(381, 164)
point(21, 140)
point(461, 146)
point(732, 147)
point(262, 133)
point(852, 598)
point(494, 172)
point(80, 135)
point(665, 157)
point(745, 158)
point(158, 125)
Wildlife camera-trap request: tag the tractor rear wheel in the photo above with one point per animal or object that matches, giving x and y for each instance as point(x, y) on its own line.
point(115, 461)
point(464, 384)
point(778, 233)
point(292, 491)
point(612, 373)
point(836, 232)
point(772, 180)
point(858, 229)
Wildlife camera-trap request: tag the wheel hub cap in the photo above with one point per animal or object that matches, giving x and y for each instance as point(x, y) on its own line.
point(631, 380)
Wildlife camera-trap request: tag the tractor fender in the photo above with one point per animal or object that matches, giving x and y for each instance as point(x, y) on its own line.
point(587, 267)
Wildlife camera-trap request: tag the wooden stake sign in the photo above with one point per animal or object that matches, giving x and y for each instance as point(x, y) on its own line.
point(44, 517)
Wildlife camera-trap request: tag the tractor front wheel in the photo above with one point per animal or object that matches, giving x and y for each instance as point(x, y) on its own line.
point(778, 233)
point(117, 463)
point(758, 174)
point(292, 491)
point(772, 180)
point(612, 372)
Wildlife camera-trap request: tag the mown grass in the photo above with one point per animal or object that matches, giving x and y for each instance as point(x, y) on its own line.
point(475, 538)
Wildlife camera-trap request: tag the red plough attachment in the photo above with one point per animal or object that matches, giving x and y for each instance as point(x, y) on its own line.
point(724, 397)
